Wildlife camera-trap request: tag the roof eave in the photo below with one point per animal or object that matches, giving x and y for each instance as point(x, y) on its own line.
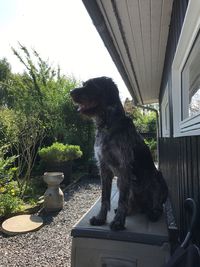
point(99, 22)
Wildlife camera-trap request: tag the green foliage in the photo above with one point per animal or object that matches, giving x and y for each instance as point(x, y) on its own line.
point(36, 110)
point(10, 204)
point(41, 91)
point(24, 134)
point(10, 125)
point(5, 73)
point(152, 144)
point(9, 190)
point(59, 152)
point(7, 171)
point(5, 69)
point(145, 121)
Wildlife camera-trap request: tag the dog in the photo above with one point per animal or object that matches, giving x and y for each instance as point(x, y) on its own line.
point(120, 151)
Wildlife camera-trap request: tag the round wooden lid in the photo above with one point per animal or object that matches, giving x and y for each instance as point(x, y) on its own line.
point(22, 224)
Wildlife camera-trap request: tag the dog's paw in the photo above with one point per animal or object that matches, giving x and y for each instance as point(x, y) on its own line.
point(117, 225)
point(97, 221)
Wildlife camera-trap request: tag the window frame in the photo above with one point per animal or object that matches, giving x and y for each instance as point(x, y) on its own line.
point(190, 29)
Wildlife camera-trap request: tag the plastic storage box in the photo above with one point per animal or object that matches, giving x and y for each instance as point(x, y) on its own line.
point(141, 244)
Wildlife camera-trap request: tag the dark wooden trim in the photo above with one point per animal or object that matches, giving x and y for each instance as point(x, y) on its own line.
point(179, 163)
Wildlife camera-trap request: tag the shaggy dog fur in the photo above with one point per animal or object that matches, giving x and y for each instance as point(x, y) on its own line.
point(120, 151)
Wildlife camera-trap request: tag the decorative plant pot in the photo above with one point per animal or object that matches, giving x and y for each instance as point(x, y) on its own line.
point(53, 197)
point(65, 167)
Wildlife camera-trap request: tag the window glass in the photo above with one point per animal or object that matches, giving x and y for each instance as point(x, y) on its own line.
point(165, 114)
point(191, 82)
point(194, 106)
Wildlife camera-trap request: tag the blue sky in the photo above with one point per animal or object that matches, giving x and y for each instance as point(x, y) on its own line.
point(61, 31)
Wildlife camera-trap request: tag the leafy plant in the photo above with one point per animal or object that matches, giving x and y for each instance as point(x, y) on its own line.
point(59, 152)
point(7, 171)
point(9, 130)
point(152, 144)
point(37, 110)
point(5, 73)
point(24, 134)
point(9, 190)
point(145, 121)
point(10, 204)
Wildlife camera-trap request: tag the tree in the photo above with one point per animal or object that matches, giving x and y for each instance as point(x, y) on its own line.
point(5, 73)
point(145, 122)
point(24, 136)
point(38, 110)
point(49, 91)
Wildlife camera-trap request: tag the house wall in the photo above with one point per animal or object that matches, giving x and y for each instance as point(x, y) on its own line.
point(179, 157)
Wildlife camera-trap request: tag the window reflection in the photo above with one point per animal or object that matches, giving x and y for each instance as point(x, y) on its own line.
point(191, 82)
point(194, 106)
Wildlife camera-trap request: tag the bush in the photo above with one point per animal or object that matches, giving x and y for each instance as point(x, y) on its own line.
point(145, 121)
point(9, 190)
point(10, 204)
point(7, 171)
point(152, 144)
point(36, 110)
point(59, 152)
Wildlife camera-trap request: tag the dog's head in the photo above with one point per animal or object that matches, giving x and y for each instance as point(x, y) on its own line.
point(96, 95)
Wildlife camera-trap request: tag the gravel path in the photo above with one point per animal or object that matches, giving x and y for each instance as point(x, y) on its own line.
point(51, 245)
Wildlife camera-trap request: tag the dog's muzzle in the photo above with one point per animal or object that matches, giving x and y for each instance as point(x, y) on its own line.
point(74, 92)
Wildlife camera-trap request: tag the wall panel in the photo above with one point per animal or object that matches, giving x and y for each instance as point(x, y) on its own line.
point(179, 157)
point(179, 163)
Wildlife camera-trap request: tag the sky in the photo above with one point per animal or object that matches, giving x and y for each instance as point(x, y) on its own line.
point(60, 31)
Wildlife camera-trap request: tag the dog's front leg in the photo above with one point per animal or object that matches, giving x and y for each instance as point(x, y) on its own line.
point(119, 220)
point(106, 183)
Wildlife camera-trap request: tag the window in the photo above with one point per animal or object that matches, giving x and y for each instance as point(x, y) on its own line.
point(191, 82)
point(186, 75)
point(165, 114)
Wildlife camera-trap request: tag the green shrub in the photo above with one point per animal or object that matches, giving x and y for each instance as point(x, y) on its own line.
point(7, 170)
point(10, 204)
point(59, 152)
point(152, 144)
point(9, 190)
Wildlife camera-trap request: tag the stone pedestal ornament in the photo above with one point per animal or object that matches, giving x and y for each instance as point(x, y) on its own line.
point(53, 197)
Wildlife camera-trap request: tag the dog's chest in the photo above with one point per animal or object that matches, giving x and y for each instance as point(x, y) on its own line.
point(100, 146)
point(103, 148)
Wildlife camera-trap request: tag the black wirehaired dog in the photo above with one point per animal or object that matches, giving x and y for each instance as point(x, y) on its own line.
point(120, 151)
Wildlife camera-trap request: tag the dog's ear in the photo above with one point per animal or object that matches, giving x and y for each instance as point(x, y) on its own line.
point(112, 94)
point(107, 91)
